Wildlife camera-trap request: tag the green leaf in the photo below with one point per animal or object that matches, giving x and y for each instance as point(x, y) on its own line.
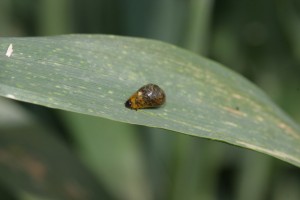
point(111, 150)
point(95, 74)
point(33, 162)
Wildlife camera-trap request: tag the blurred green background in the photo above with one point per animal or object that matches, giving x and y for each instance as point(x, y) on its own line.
point(258, 39)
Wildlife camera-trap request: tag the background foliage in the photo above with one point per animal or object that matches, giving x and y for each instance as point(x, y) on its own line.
point(258, 39)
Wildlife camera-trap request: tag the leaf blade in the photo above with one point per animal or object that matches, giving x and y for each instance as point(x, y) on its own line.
point(95, 74)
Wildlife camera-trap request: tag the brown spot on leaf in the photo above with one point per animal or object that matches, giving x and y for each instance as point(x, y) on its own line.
point(234, 111)
point(288, 130)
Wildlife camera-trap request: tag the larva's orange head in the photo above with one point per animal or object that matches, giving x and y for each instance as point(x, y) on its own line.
point(134, 101)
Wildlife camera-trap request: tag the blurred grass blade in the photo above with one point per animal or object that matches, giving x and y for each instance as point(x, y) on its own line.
point(112, 150)
point(35, 163)
point(95, 74)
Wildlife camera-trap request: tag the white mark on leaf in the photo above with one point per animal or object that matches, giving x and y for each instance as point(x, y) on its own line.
point(9, 50)
point(11, 96)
